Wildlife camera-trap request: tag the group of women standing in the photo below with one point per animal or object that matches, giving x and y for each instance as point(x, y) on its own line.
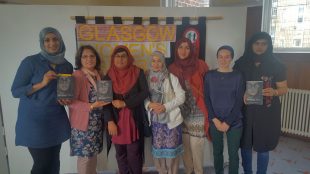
point(184, 104)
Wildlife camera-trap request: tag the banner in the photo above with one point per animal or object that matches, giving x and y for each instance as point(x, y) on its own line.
point(141, 40)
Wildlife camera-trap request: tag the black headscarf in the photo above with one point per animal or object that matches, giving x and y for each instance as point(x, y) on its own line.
point(248, 52)
point(249, 60)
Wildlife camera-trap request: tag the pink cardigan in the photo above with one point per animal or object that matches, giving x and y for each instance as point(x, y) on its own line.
point(80, 107)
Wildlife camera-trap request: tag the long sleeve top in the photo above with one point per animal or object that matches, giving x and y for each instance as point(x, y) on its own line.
point(80, 107)
point(42, 121)
point(171, 104)
point(224, 97)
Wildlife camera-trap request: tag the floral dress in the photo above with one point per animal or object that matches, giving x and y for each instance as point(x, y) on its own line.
point(89, 143)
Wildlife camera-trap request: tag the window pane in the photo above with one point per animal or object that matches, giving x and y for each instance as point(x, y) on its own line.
point(187, 3)
point(290, 23)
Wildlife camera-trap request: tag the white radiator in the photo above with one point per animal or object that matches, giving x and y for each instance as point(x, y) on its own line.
point(295, 113)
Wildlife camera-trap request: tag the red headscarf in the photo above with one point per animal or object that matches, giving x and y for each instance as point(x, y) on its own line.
point(123, 79)
point(184, 68)
point(193, 70)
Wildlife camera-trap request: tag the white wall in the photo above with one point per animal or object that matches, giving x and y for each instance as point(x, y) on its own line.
point(19, 30)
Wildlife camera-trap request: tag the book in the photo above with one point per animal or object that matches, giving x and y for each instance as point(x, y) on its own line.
point(65, 86)
point(104, 90)
point(254, 92)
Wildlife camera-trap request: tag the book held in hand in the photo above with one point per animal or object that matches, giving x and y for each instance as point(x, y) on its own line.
point(104, 90)
point(254, 92)
point(65, 86)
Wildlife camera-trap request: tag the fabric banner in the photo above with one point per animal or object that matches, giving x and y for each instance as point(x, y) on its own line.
point(141, 40)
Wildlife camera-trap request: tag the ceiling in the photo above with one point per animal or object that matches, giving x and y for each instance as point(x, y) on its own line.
point(85, 2)
point(155, 3)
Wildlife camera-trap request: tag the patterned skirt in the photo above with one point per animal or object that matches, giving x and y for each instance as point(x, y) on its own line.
point(166, 143)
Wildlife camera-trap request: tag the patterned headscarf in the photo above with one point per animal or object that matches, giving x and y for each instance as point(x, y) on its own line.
point(156, 79)
point(57, 58)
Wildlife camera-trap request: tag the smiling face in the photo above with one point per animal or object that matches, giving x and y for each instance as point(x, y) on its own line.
point(224, 59)
point(88, 59)
point(260, 46)
point(121, 60)
point(51, 43)
point(157, 64)
point(184, 50)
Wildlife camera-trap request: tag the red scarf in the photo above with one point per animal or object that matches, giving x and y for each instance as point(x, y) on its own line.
point(193, 70)
point(123, 79)
point(184, 68)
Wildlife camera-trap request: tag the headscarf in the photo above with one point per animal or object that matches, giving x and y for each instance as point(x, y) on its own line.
point(123, 79)
point(57, 58)
point(156, 79)
point(249, 60)
point(184, 68)
point(249, 53)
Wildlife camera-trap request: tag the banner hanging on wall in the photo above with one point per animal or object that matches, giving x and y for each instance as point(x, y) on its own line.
point(141, 40)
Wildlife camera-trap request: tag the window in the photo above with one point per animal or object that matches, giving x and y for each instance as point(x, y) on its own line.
point(300, 14)
point(285, 20)
point(297, 42)
point(185, 3)
point(274, 11)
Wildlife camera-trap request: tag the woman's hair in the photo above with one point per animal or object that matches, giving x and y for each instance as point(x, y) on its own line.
point(228, 48)
point(79, 53)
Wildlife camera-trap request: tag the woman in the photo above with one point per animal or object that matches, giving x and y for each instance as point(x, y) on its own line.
point(166, 94)
point(42, 123)
point(190, 71)
point(262, 123)
point(126, 127)
point(86, 112)
point(224, 89)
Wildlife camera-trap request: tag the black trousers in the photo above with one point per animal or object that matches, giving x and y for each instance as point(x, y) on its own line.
point(45, 160)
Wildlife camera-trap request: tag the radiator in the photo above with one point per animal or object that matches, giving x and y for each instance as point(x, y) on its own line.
point(295, 112)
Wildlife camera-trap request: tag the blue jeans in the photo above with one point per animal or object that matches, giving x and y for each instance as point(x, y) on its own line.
point(262, 161)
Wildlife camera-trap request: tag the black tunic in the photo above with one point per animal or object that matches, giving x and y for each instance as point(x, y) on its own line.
point(262, 123)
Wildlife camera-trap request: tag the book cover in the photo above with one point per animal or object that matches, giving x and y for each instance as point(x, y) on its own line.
point(65, 86)
point(104, 90)
point(254, 92)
